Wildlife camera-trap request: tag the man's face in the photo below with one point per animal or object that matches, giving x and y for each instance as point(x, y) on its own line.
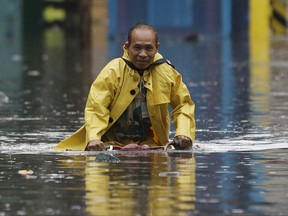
point(142, 48)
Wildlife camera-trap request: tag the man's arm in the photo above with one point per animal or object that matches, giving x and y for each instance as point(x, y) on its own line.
point(97, 111)
point(183, 114)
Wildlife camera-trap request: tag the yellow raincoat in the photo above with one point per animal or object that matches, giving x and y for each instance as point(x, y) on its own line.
point(116, 87)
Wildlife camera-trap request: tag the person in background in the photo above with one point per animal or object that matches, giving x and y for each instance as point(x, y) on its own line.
point(129, 100)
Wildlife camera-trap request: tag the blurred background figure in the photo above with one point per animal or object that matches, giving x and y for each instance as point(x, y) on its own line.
point(3, 98)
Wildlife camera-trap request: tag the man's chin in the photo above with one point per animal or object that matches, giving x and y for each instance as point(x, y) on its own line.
point(142, 66)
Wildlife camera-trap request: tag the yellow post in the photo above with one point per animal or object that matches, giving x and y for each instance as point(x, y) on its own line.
point(99, 28)
point(259, 60)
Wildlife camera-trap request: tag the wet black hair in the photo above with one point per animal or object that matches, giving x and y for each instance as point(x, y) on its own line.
point(141, 25)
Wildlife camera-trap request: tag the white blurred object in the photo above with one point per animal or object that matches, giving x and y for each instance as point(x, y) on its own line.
point(3, 98)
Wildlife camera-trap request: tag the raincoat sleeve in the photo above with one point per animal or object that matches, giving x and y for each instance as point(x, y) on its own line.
point(97, 111)
point(183, 108)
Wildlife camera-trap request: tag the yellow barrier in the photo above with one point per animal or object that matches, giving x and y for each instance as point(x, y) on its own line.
point(279, 16)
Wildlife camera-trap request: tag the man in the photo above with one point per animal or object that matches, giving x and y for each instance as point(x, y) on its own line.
point(129, 100)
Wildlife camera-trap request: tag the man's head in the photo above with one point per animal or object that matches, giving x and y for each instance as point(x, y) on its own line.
point(142, 45)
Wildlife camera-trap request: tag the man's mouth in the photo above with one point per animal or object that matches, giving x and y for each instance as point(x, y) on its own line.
point(142, 62)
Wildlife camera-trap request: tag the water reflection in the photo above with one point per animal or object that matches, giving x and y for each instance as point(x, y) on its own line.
point(141, 184)
point(245, 183)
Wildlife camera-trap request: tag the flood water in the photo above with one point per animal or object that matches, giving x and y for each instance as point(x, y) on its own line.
point(239, 165)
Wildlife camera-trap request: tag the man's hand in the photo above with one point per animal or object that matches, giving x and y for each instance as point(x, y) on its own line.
point(182, 142)
point(95, 145)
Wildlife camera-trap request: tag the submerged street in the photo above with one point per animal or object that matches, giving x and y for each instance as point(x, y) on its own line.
point(238, 165)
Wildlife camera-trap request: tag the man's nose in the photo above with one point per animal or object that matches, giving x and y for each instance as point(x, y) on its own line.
point(143, 53)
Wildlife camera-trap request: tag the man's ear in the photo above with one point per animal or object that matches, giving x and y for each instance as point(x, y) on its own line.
point(158, 46)
point(126, 45)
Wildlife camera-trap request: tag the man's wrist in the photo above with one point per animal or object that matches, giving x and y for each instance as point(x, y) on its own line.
point(94, 141)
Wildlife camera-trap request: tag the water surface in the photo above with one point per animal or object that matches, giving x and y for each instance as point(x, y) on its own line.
point(239, 166)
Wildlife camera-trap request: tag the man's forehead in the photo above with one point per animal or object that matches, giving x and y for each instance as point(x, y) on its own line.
point(143, 33)
point(143, 43)
point(143, 37)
